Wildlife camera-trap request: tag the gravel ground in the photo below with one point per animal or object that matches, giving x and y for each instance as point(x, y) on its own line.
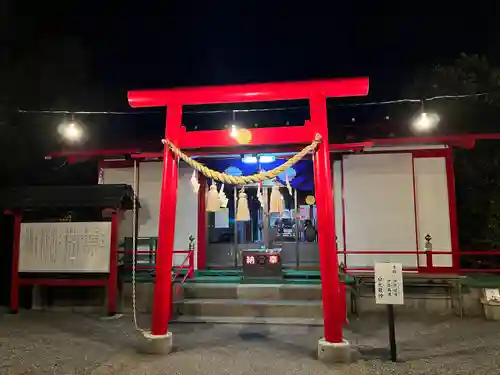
point(61, 343)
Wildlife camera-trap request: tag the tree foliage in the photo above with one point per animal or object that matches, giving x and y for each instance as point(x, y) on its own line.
point(469, 74)
point(477, 171)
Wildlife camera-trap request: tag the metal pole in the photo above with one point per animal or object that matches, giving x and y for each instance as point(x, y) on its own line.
point(297, 233)
point(235, 229)
point(201, 254)
point(392, 332)
point(135, 213)
point(265, 219)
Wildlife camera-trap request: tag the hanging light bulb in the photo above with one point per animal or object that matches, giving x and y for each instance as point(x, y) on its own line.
point(425, 122)
point(71, 131)
point(234, 131)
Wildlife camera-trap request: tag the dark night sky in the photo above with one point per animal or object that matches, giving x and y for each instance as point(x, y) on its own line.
point(136, 45)
point(86, 55)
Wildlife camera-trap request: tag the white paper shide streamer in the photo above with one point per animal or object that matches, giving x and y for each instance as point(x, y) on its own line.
point(222, 197)
point(194, 182)
point(260, 197)
point(287, 183)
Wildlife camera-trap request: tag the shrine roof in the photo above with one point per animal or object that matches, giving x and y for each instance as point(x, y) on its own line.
point(30, 198)
point(154, 149)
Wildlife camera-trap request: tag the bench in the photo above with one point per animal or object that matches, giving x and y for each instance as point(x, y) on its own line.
point(452, 283)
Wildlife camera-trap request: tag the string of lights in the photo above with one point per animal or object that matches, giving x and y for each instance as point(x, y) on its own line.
point(400, 101)
point(290, 108)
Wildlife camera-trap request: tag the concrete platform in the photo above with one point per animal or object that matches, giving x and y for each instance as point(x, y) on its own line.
point(251, 308)
point(250, 304)
point(63, 344)
point(318, 322)
point(253, 291)
point(154, 344)
point(335, 352)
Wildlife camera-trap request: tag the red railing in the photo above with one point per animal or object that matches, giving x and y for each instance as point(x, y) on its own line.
point(190, 273)
point(189, 258)
point(190, 267)
point(178, 269)
point(429, 266)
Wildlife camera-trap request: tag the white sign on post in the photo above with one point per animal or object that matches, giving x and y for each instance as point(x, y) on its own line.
point(389, 284)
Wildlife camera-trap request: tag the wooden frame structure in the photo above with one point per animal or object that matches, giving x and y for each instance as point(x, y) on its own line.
point(316, 92)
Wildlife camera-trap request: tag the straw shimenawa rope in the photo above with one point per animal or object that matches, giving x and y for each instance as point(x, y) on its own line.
point(243, 180)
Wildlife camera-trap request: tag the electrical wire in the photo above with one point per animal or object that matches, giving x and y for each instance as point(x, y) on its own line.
point(399, 101)
point(67, 112)
point(234, 111)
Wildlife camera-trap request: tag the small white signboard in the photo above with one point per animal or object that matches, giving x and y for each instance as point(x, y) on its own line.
point(389, 284)
point(222, 218)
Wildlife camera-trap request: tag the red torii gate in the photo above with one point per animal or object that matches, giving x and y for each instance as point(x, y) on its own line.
point(316, 92)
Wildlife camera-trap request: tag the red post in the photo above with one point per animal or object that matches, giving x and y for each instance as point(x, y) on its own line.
point(191, 264)
point(428, 260)
point(333, 317)
point(112, 288)
point(452, 203)
point(166, 227)
point(202, 224)
point(14, 280)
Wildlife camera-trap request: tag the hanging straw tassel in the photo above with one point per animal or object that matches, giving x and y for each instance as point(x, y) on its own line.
point(276, 204)
point(243, 214)
point(213, 203)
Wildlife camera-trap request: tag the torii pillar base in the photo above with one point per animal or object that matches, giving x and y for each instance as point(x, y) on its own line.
point(341, 352)
point(156, 344)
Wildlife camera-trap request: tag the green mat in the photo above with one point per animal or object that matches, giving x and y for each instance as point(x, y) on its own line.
point(290, 276)
point(482, 281)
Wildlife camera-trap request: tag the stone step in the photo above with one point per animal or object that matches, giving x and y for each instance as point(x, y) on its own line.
point(250, 308)
point(253, 291)
point(248, 320)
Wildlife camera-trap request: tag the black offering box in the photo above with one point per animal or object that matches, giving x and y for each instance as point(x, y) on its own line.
point(262, 264)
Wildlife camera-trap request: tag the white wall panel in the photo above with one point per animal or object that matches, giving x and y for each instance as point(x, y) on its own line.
point(186, 218)
point(433, 215)
point(379, 207)
point(337, 194)
point(150, 174)
point(149, 196)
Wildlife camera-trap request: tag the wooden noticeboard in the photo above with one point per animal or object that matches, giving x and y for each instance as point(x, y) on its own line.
point(65, 247)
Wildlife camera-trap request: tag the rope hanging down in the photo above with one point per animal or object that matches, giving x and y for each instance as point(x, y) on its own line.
point(243, 180)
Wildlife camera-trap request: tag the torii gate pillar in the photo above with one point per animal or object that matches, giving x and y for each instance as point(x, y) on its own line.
point(332, 347)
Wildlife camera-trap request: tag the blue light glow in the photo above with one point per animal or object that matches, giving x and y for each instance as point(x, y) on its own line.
point(266, 159)
point(249, 159)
